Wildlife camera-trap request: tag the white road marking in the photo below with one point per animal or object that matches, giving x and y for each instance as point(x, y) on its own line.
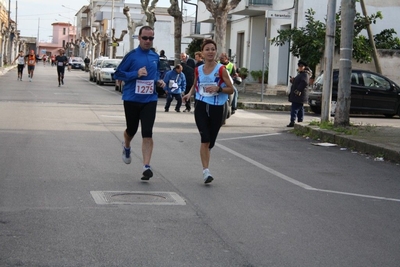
point(295, 182)
point(250, 136)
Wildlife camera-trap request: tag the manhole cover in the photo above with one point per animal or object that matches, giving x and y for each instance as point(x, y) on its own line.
point(132, 197)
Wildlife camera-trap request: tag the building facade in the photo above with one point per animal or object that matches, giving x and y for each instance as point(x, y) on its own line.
point(251, 26)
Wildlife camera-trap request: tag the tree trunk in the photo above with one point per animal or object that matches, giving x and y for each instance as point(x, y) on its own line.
point(342, 113)
point(220, 30)
point(176, 13)
point(219, 11)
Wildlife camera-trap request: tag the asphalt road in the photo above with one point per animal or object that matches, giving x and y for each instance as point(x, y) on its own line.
point(67, 199)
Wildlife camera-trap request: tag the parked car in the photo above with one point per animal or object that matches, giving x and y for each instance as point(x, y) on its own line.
point(371, 93)
point(93, 69)
point(77, 63)
point(119, 86)
point(106, 70)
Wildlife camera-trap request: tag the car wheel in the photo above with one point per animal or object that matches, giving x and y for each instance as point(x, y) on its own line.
point(389, 115)
point(90, 78)
point(315, 109)
point(100, 82)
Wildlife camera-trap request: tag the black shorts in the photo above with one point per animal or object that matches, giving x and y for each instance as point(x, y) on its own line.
point(208, 120)
point(60, 69)
point(143, 112)
point(20, 68)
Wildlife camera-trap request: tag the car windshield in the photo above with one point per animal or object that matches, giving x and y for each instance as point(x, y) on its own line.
point(77, 60)
point(110, 64)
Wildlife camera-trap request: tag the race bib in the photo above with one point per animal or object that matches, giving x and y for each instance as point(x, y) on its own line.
point(144, 87)
point(60, 64)
point(31, 62)
point(202, 89)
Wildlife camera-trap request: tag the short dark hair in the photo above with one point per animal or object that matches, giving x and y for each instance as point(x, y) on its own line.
point(208, 41)
point(145, 28)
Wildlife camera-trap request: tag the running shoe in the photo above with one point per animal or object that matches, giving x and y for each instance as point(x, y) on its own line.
point(147, 174)
point(207, 176)
point(126, 154)
point(62, 81)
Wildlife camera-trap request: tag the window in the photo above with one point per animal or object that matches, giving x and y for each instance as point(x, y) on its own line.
point(64, 31)
point(375, 81)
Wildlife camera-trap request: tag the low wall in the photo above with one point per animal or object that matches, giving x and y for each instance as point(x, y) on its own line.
point(388, 59)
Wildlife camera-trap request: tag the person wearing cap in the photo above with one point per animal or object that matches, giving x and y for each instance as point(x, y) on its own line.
point(298, 95)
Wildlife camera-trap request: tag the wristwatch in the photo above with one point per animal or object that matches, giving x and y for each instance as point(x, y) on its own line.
point(219, 89)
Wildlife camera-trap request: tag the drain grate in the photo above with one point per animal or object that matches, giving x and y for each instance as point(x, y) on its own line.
point(136, 198)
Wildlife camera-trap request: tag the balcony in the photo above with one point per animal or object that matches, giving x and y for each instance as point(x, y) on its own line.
point(252, 7)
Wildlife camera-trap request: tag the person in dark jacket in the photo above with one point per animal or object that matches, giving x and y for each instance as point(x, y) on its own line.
point(189, 75)
point(298, 95)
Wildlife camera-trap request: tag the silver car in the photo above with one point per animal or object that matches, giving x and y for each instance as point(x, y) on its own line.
point(106, 70)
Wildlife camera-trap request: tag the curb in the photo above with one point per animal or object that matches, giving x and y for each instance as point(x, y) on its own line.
point(268, 106)
point(349, 141)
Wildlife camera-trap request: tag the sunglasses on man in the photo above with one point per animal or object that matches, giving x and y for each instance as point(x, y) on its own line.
point(151, 38)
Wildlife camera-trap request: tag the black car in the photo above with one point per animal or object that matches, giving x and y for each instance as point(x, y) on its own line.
point(371, 93)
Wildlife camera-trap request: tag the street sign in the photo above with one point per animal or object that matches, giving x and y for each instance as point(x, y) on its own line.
point(277, 14)
point(135, 36)
point(113, 44)
point(83, 44)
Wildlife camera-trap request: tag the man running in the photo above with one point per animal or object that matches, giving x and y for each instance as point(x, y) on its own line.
point(61, 61)
point(31, 61)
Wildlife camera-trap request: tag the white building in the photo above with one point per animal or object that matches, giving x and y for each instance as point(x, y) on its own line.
point(101, 18)
point(248, 29)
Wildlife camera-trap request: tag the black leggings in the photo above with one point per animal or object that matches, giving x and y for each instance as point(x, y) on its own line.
point(20, 68)
point(143, 112)
point(208, 120)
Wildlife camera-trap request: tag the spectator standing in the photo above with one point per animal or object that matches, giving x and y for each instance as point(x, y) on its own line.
point(230, 67)
point(199, 58)
point(299, 93)
point(175, 82)
point(186, 59)
point(162, 55)
point(212, 86)
point(189, 75)
point(139, 71)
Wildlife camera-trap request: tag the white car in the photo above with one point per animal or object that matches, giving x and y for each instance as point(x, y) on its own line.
point(106, 70)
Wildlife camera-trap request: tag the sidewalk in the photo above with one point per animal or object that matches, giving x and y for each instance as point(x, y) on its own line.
point(380, 142)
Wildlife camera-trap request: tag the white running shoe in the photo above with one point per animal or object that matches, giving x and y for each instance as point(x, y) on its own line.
point(126, 154)
point(207, 176)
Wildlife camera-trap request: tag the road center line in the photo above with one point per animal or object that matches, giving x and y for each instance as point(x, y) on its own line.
point(295, 182)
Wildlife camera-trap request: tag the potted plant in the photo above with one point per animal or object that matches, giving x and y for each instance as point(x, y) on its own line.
point(256, 75)
point(243, 72)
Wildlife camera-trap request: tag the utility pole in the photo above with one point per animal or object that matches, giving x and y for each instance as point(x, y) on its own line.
point(113, 48)
point(328, 61)
point(371, 40)
point(346, 48)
